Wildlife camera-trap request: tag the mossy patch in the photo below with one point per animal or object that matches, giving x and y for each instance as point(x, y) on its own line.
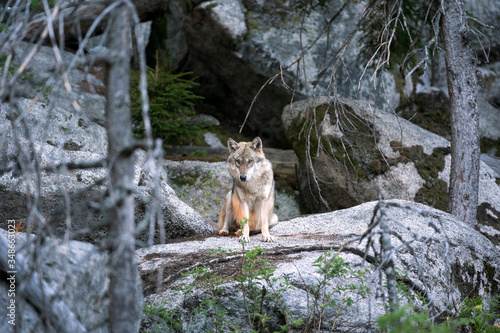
point(428, 166)
point(339, 133)
point(430, 111)
point(181, 180)
point(463, 277)
point(352, 144)
point(12, 116)
point(486, 216)
point(490, 272)
point(489, 146)
point(434, 192)
point(72, 146)
point(81, 123)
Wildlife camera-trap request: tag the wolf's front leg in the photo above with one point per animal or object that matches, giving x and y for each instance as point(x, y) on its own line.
point(245, 231)
point(226, 216)
point(266, 236)
point(264, 216)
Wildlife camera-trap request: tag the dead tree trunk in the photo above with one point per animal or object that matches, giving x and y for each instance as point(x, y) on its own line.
point(462, 88)
point(122, 312)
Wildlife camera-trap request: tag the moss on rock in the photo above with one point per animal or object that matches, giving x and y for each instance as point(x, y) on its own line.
point(333, 139)
point(434, 192)
point(429, 110)
point(490, 146)
point(339, 133)
point(486, 217)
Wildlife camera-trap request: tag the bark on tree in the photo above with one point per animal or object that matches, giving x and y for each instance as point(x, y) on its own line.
point(122, 312)
point(462, 88)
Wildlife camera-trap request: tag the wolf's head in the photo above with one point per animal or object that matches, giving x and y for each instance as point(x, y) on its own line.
point(244, 158)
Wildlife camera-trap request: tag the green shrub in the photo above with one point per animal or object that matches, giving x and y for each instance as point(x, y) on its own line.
point(171, 101)
point(476, 319)
point(169, 317)
point(472, 318)
point(408, 321)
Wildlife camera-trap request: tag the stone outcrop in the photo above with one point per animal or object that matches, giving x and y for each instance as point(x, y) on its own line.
point(75, 278)
point(40, 136)
point(234, 47)
point(436, 256)
point(350, 153)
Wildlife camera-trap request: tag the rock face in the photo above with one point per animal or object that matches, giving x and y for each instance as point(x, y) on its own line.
point(234, 47)
point(435, 255)
point(350, 153)
point(75, 272)
point(39, 135)
point(430, 109)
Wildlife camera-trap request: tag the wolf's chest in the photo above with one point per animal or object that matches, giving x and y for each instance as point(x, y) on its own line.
point(253, 194)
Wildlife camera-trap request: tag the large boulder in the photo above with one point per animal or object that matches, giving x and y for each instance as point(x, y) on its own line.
point(55, 127)
point(75, 277)
point(234, 47)
point(199, 284)
point(81, 90)
point(86, 191)
point(350, 153)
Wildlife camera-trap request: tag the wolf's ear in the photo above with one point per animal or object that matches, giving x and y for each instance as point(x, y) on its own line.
point(232, 145)
point(257, 145)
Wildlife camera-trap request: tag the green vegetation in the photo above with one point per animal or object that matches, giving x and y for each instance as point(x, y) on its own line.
point(220, 251)
point(38, 4)
point(171, 103)
point(472, 318)
point(209, 305)
point(477, 319)
point(335, 290)
point(406, 320)
point(169, 317)
point(339, 288)
point(256, 274)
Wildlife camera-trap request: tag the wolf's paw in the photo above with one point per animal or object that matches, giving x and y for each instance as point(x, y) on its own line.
point(268, 238)
point(244, 239)
point(223, 232)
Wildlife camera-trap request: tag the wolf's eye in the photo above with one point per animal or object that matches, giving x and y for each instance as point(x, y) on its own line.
point(237, 162)
point(250, 162)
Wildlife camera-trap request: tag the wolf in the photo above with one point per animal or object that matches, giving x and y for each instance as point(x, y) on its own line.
point(253, 193)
